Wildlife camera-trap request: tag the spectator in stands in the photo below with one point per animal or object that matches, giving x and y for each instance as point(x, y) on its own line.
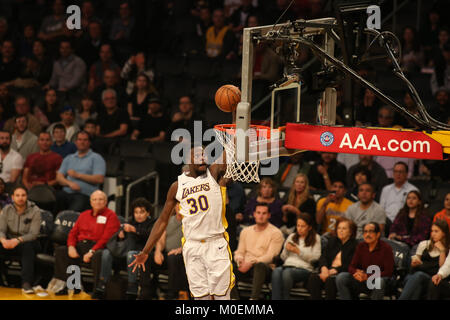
point(6, 100)
point(335, 258)
point(91, 127)
point(85, 111)
point(5, 31)
point(22, 107)
point(300, 250)
point(168, 256)
point(203, 22)
point(122, 31)
point(372, 251)
point(92, 230)
point(53, 26)
point(441, 109)
point(327, 169)
point(153, 125)
point(10, 66)
point(39, 66)
point(60, 145)
point(185, 117)
point(360, 175)
point(289, 170)
point(2, 118)
point(393, 195)
point(11, 163)
point(87, 16)
point(412, 59)
point(20, 223)
point(429, 32)
point(23, 141)
point(110, 81)
point(220, 39)
point(366, 210)
point(98, 68)
point(377, 177)
point(427, 260)
point(444, 214)
point(367, 111)
point(48, 112)
point(258, 246)
point(80, 174)
point(89, 47)
point(266, 192)
point(441, 74)
point(386, 117)
point(25, 44)
point(388, 163)
point(113, 122)
point(139, 99)
point(411, 107)
point(439, 285)
point(5, 199)
point(331, 207)
point(239, 17)
point(298, 200)
point(68, 71)
point(41, 167)
point(67, 115)
point(135, 232)
point(412, 224)
point(137, 64)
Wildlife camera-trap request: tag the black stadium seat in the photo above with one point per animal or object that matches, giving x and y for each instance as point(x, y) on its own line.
point(43, 196)
point(134, 148)
point(137, 167)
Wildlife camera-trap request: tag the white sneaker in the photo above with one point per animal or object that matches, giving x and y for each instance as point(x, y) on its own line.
point(59, 285)
point(51, 284)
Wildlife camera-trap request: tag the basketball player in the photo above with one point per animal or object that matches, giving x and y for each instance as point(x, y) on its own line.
point(206, 253)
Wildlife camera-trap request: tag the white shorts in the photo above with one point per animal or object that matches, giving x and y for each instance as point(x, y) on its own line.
point(208, 266)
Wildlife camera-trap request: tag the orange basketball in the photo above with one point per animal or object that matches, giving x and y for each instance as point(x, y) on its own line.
point(227, 97)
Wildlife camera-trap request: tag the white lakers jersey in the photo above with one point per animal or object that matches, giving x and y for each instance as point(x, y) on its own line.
point(202, 205)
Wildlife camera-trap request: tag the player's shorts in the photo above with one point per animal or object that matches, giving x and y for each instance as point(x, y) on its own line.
point(208, 266)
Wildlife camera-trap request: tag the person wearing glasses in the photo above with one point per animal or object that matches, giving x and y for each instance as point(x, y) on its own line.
point(393, 196)
point(369, 254)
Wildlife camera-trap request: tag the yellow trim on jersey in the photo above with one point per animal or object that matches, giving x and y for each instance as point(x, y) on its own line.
point(223, 190)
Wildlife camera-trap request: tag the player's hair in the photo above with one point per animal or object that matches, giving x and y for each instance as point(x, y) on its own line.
point(310, 239)
point(292, 198)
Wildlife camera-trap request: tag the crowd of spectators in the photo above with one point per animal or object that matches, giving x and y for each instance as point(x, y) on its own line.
point(67, 95)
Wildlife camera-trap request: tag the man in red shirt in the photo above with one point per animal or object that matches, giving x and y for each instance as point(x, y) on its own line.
point(89, 235)
point(372, 252)
point(444, 214)
point(41, 167)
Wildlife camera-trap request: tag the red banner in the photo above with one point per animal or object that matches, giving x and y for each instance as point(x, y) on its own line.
point(379, 142)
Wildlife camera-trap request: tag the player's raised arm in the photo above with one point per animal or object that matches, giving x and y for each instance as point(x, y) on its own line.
point(158, 229)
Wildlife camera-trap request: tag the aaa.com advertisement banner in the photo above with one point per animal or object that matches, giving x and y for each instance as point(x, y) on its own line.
point(379, 142)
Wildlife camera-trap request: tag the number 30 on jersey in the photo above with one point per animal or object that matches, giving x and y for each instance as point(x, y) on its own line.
point(200, 204)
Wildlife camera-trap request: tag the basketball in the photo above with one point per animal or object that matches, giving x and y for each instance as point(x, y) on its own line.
point(227, 97)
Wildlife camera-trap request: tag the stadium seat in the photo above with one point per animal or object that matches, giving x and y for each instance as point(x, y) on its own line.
point(134, 148)
point(230, 71)
point(174, 87)
point(43, 196)
point(201, 67)
point(113, 165)
point(166, 65)
point(137, 167)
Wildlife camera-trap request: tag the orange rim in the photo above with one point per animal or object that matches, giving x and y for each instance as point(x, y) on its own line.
point(261, 131)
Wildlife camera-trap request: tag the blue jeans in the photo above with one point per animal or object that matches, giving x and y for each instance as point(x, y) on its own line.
point(107, 265)
point(349, 288)
point(415, 285)
point(284, 278)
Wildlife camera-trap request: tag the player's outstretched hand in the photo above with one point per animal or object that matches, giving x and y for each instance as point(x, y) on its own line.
point(139, 261)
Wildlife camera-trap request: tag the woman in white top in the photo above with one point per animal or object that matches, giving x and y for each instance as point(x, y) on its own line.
point(429, 257)
point(300, 250)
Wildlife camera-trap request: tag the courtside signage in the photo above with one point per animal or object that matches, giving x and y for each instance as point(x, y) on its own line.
point(379, 142)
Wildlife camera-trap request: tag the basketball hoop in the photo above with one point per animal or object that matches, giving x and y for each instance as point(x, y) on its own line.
point(245, 171)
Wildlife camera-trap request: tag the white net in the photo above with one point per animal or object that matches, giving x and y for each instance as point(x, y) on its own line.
point(246, 171)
